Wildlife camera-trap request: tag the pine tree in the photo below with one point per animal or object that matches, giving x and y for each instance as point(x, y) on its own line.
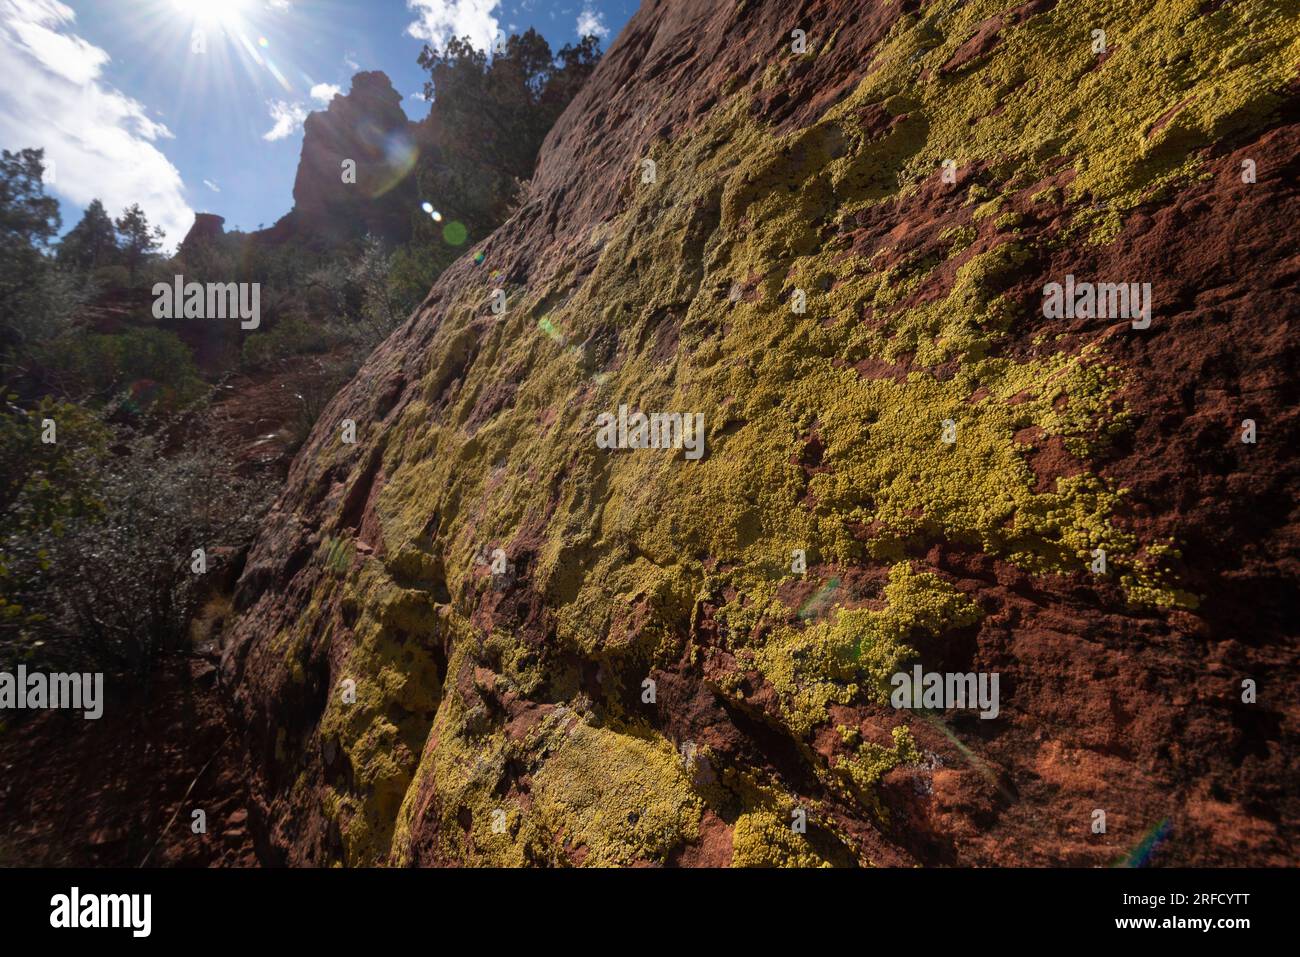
point(28, 218)
point(92, 242)
point(490, 116)
point(139, 242)
point(28, 221)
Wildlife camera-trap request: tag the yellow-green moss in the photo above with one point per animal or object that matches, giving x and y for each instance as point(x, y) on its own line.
point(1044, 94)
point(599, 795)
point(621, 797)
point(835, 660)
point(761, 839)
point(871, 762)
point(397, 692)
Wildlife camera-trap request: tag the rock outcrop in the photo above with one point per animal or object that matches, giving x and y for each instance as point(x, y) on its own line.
point(376, 194)
point(356, 174)
point(475, 635)
point(207, 228)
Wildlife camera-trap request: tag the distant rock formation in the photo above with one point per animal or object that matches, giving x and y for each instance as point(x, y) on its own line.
point(363, 131)
point(207, 227)
point(356, 173)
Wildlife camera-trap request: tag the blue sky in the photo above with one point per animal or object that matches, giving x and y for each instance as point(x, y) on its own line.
point(129, 112)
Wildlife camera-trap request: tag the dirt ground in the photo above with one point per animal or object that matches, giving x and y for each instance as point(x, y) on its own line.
point(120, 791)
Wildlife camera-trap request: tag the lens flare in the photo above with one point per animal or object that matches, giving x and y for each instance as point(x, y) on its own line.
point(455, 233)
point(399, 157)
point(1141, 855)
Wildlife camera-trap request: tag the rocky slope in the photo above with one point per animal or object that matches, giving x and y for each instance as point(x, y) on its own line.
point(408, 705)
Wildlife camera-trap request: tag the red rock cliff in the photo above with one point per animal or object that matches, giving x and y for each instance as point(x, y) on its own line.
point(839, 258)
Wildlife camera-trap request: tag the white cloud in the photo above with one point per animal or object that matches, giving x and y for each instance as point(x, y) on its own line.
point(100, 141)
point(440, 20)
point(280, 6)
point(67, 56)
point(212, 186)
point(417, 95)
point(325, 91)
point(591, 22)
point(287, 116)
point(350, 61)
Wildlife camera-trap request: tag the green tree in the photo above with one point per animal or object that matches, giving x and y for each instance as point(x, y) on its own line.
point(28, 218)
point(99, 366)
point(92, 242)
point(28, 221)
point(489, 117)
point(139, 242)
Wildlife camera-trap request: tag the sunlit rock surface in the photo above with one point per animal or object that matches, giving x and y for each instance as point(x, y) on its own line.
point(949, 462)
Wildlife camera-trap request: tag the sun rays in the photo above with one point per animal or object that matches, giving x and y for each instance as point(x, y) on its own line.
point(225, 13)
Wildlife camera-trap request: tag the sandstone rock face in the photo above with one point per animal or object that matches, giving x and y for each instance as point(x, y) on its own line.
point(367, 127)
point(643, 673)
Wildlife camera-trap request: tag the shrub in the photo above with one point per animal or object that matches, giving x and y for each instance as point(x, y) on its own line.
point(315, 392)
point(102, 365)
point(43, 485)
point(116, 584)
point(288, 337)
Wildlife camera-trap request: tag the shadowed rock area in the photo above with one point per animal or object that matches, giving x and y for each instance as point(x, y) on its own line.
point(407, 703)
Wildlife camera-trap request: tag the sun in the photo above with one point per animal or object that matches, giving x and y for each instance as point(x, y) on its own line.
point(214, 12)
